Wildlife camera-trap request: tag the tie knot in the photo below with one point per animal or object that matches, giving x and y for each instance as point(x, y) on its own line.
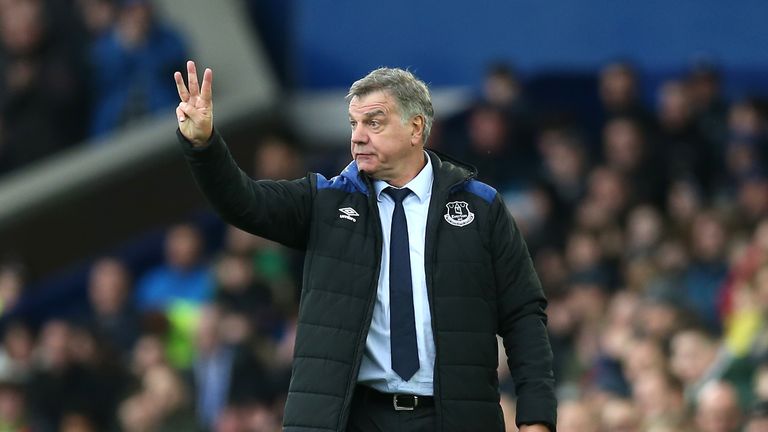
point(397, 194)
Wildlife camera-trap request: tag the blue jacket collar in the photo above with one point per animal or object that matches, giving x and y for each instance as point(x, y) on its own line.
point(352, 174)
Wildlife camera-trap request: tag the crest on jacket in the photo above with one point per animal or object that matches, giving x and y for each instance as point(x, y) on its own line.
point(458, 214)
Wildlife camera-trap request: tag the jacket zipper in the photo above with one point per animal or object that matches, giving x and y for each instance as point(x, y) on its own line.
point(359, 347)
point(430, 245)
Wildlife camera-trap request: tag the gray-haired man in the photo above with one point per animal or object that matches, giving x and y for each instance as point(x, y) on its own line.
point(412, 268)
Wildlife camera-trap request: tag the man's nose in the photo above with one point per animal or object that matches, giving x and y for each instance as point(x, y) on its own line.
point(358, 135)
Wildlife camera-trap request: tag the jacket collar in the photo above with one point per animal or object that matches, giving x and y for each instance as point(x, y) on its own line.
point(449, 172)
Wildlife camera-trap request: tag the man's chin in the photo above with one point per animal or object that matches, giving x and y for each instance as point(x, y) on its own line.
point(367, 168)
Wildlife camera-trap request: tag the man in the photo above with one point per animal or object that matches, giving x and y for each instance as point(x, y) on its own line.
point(717, 408)
point(412, 267)
point(758, 418)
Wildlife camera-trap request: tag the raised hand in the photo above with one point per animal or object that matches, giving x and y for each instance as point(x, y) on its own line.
point(195, 112)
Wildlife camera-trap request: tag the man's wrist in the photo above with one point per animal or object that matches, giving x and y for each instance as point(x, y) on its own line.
point(534, 428)
point(202, 142)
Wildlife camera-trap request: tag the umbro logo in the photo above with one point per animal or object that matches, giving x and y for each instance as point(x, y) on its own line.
point(348, 213)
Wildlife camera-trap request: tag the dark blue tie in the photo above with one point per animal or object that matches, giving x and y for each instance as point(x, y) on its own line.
point(402, 325)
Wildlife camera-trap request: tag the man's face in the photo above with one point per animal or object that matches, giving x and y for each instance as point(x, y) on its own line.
point(757, 425)
point(183, 246)
point(381, 144)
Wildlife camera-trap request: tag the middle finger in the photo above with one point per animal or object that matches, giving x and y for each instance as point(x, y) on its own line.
point(194, 87)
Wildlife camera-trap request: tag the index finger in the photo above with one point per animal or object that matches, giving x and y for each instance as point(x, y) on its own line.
point(205, 91)
point(180, 87)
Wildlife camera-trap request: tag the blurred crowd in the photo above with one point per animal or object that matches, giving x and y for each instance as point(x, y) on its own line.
point(190, 345)
point(647, 223)
point(73, 70)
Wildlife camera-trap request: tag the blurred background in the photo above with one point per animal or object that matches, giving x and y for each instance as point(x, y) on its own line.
point(629, 139)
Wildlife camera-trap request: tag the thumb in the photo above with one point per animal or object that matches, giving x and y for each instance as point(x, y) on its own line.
point(180, 114)
point(187, 111)
point(186, 108)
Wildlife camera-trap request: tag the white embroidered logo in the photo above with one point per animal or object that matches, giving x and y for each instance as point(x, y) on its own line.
point(348, 213)
point(458, 214)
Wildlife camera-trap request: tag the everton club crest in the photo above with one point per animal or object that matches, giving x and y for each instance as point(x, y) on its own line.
point(458, 214)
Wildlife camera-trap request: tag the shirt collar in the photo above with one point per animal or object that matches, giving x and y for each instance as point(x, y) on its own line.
point(421, 185)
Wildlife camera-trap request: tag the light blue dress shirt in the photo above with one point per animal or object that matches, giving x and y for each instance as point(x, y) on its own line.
point(376, 368)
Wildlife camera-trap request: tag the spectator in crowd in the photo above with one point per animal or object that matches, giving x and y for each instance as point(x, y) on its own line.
point(696, 360)
point(12, 278)
point(161, 405)
point(606, 200)
point(743, 151)
point(53, 380)
point(42, 84)
point(644, 232)
point(183, 277)
point(493, 133)
point(503, 155)
point(17, 351)
point(658, 396)
point(745, 299)
point(717, 408)
point(565, 163)
point(760, 385)
point(742, 160)
point(752, 199)
point(620, 415)
point(275, 273)
point(757, 420)
point(708, 105)
point(687, 154)
point(69, 377)
point(131, 64)
point(684, 201)
point(13, 407)
point(97, 16)
point(103, 379)
point(627, 150)
point(502, 88)
point(540, 215)
point(112, 312)
point(278, 156)
point(620, 94)
point(212, 368)
point(705, 275)
point(76, 422)
point(573, 416)
point(147, 353)
point(238, 291)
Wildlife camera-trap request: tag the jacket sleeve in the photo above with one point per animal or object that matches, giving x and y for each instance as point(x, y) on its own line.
point(276, 210)
point(522, 321)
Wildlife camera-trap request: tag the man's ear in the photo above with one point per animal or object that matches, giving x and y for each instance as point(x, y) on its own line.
point(417, 130)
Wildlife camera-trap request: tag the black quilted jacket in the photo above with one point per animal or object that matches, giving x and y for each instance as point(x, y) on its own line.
point(480, 281)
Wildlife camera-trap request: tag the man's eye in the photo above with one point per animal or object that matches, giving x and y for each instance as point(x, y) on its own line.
point(375, 124)
point(352, 124)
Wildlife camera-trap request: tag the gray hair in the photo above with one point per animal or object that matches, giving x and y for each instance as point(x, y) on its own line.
point(411, 94)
